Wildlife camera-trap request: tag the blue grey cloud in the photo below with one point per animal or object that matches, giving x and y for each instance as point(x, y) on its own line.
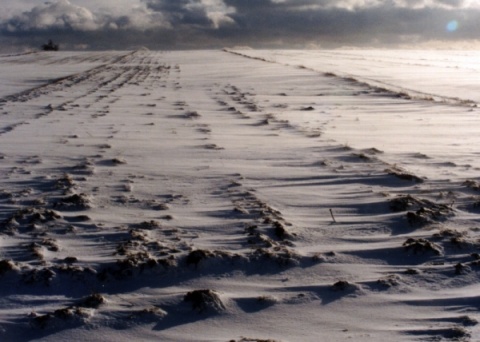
point(258, 23)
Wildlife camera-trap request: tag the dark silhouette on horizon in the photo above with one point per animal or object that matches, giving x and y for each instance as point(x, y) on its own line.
point(50, 46)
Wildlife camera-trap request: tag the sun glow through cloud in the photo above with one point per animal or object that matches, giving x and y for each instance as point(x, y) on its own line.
point(452, 26)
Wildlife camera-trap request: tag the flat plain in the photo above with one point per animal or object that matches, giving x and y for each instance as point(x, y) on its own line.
point(239, 196)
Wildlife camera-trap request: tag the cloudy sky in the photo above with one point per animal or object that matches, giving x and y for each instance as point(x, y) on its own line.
point(181, 24)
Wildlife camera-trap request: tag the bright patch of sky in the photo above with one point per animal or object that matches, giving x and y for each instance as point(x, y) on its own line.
point(452, 26)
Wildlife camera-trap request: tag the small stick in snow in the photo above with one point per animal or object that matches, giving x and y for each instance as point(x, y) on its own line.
point(333, 217)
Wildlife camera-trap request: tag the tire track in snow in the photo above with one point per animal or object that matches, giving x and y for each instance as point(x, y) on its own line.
point(375, 87)
point(108, 77)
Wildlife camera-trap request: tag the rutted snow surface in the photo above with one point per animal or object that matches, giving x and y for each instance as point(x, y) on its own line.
point(208, 196)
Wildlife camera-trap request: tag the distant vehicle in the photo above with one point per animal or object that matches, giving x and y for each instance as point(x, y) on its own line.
point(50, 46)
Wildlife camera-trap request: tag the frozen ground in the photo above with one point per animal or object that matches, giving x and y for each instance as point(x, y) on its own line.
point(238, 196)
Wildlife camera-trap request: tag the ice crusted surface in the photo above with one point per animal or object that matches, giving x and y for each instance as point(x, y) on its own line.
point(239, 196)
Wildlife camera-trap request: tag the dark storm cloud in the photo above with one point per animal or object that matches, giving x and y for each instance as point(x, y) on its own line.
point(197, 13)
point(178, 13)
point(386, 23)
point(268, 23)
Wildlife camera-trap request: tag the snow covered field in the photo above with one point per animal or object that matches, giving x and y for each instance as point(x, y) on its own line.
point(239, 196)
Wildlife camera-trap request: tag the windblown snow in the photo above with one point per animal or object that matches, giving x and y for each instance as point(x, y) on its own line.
point(239, 196)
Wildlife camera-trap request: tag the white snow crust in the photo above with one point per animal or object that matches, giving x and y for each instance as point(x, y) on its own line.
point(239, 196)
